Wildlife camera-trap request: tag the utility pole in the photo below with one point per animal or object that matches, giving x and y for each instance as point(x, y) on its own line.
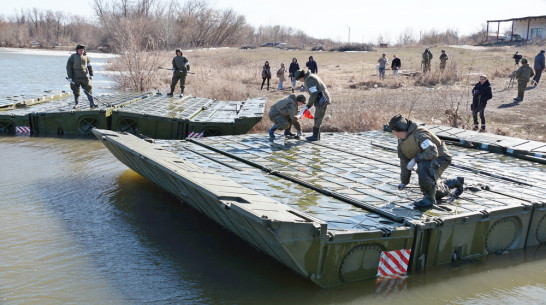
point(349, 36)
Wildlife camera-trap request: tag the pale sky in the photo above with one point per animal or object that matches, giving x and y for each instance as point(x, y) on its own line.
point(361, 20)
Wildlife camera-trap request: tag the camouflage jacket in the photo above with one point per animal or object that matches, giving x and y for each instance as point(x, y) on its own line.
point(181, 64)
point(427, 56)
point(524, 73)
point(78, 66)
point(287, 107)
point(315, 87)
point(417, 144)
point(443, 58)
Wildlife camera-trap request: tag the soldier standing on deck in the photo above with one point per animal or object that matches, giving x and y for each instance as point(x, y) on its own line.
point(181, 67)
point(77, 67)
point(318, 97)
point(443, 60)
point(418, 146)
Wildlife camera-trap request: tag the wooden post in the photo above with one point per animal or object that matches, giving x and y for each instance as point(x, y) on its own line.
point(498, 29)
point(528, 26)
point(487, 32)
point(512, 35)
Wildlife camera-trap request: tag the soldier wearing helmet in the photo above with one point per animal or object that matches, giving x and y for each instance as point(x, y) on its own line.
point(77, 68)
point(418, 146)
point(523, 75)
point(181, 67)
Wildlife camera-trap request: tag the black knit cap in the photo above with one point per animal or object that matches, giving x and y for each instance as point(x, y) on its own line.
point(399, 123)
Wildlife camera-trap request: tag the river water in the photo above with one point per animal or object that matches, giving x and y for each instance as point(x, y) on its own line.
point(79, 227)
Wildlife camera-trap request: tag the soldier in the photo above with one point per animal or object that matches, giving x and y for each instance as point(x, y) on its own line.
point(77, 67)
point(418, 146)
point(539, 66)
point(427, 57)
point(283, 114)
point(523, 75)
point(443, 60)
point(181, 67)
point(318, 97)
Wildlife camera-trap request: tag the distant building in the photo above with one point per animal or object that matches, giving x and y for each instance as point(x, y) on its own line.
point(523, 29)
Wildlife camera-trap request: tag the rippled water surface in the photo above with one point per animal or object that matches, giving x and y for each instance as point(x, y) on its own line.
point(78, 227)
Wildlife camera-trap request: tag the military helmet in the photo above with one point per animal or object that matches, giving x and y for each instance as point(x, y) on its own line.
point(524, 61)
point(299, 74)
point(301, 98)
point(399, 123)
point(80, 46)
point(178, 50)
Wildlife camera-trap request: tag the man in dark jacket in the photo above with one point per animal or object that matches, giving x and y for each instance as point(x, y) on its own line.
point(523, 75)
point(77, 68)
point(395, 65)
point(418, 146)
point(538, 66)
point(283, 115)
point(312, 65)
point(318, 97)
point(294, 66)
point(181, 67)
point(481, 94)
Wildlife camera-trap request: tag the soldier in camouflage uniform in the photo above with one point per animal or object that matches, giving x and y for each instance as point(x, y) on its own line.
point(443, 60)
point(419, 146)
point(181, 67)
point(318, 97)
point(427, 57)
point(283, 114)
point(77, 67)
point(523, 75)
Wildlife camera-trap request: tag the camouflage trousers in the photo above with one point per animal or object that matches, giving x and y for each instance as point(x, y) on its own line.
point(281, 121)
point(84, 83)
point(521, 88)
point(178, 76)
point(429, 173)
point(320, 112)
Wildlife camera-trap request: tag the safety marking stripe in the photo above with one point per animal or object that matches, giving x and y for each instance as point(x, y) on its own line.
point(393, 262)
point(194, 135)
point(22, 131)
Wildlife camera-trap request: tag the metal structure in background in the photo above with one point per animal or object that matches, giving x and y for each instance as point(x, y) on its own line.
point(329, 209)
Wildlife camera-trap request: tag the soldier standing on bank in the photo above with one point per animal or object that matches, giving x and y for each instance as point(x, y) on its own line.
point(181, 67)
point(77, 67)
point(418, 146)
point(443, 60)
point(283, 115)
point(539, 66)
point(318, 97)
point(523, 75)
point(427, 57)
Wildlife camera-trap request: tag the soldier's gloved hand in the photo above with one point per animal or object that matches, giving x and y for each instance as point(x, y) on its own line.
point(411, 164)
point(401, 186)
point(69, 79)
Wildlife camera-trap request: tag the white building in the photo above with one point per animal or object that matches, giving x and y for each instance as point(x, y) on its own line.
point(528, 28)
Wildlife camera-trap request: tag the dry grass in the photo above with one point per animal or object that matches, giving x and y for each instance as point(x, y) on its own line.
point(361, 101)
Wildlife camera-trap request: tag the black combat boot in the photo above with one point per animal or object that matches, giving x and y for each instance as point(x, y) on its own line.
point(457, 184)
point(91, 101)
point(76, 101)
point(172, 91)
point(271, 132)
point(315, 136)
point(429, 200)
point(182, 91)
point(288, 133)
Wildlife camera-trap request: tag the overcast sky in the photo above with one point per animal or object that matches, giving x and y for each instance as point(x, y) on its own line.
point(361, 20)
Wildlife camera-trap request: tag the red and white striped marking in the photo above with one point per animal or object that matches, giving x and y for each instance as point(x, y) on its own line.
point(22, 130)
point(194, 134)
point(393, 263)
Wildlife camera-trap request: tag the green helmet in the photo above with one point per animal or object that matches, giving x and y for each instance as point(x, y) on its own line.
point(178, 50)
point(399, 123)
point(299, 74)
point(524, 61)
